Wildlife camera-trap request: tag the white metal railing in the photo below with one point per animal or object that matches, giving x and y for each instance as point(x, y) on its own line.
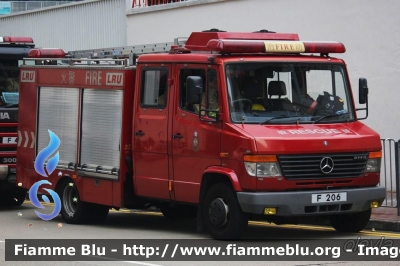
point(146, 3)
point(390, 172)
point(20, 6)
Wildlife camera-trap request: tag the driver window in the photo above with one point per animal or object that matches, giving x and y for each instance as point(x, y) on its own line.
point(212, 92)
point(183, 74)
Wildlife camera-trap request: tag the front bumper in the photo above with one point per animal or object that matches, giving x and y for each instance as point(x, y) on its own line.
point(298, 203)
point(7, 173)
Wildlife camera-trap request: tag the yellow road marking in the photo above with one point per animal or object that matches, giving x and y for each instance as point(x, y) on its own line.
point(319, 228)
point(380, 234)
point(323, 228)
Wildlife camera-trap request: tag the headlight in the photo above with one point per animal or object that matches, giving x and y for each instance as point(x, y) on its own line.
point(262, 169)
point(374, 162)
point(262, 165)
point(373, 165)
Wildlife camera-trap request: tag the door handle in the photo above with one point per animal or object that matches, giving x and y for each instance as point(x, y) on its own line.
point(139, 133)
point(177, 136)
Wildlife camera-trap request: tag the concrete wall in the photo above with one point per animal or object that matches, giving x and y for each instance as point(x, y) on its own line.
point(82, 25)
point(369, 29)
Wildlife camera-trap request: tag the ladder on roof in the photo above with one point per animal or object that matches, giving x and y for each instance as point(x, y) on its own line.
point(124, 52)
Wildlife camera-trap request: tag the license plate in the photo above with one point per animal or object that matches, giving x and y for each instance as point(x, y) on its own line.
point(9, 140)
point(329, 197)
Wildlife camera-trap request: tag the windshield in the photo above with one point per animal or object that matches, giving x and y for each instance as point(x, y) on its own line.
point(9, 86)
point(287, 93)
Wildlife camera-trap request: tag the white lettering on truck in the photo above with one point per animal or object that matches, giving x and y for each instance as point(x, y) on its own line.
point(4, 115)
point(114, 79)
point(314, 131)
point(93, 78)
point(27, 76)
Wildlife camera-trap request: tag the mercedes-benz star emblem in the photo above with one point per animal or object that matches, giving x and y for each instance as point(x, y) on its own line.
point(326, 165)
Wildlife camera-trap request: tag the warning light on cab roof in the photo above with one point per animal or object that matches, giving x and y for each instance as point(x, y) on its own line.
point(257, 46)
point(8, 39)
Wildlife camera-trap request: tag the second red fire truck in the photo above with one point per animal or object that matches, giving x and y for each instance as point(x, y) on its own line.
point(12, 51)
point(225, 127)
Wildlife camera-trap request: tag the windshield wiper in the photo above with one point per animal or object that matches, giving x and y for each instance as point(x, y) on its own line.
point(280, 117)
point(328, 116)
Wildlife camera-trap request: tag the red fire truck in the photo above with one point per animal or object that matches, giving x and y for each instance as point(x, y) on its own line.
point(223, 126)
point(12, 51)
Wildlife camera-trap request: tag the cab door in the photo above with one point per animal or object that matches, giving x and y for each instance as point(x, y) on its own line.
point(150, 131)
point(195, 143)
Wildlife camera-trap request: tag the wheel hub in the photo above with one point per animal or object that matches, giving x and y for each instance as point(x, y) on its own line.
point(70, 199)
point(218, 212)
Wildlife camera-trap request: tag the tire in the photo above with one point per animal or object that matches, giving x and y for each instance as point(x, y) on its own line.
point(350, 223)
point(5, 200)
point(14, 199)
point(73, 210)
point(223, 217)
point(19, 198)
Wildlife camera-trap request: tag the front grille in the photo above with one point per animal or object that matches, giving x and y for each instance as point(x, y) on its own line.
point(347, 165)
point(8, 129)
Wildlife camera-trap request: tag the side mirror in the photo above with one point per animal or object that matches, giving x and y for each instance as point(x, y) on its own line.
point(194, 89)
point(363, 96)
point(362, 91)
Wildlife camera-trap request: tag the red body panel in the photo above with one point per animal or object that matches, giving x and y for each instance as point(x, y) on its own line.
point(169, 168)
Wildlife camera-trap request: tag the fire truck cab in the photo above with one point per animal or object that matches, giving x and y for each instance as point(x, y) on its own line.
point(12, 51)
point(224, 126)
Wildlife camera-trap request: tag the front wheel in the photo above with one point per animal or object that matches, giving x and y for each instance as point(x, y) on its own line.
point(223, 217)
point(350, 223)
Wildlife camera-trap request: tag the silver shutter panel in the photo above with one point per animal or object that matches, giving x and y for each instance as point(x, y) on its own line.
point(58, 112)
point(101, 130)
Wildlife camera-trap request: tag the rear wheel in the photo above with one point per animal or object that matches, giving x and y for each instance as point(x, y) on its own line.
point(223, 217)
point(73, 210)
point(350, 223)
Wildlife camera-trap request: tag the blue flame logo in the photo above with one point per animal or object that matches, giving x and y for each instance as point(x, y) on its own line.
point(45, 153)
point(39, 168)
point(35, 201)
